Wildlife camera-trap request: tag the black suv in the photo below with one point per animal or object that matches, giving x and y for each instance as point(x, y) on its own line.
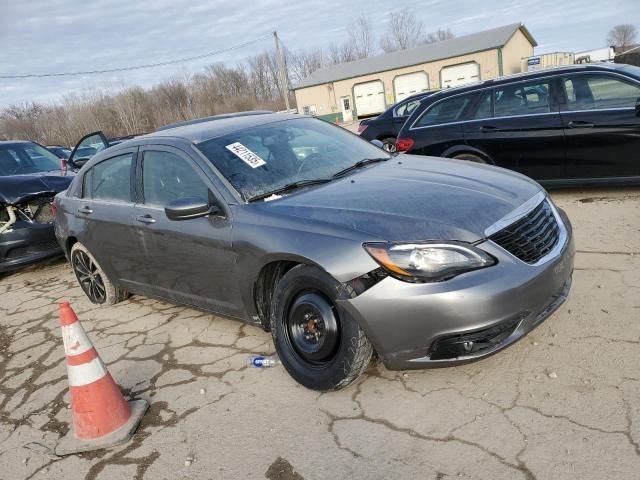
point(385, 127)
point(562, 126)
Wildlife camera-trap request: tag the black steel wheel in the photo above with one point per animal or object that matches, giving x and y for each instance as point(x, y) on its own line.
point(92, 279)
point(88, 277)
point(312, 327)
point(321, 345)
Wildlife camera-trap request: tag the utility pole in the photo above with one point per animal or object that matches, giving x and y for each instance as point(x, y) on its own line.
point(284, 84)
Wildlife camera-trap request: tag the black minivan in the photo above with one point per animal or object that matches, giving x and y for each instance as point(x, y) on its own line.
point(562, 126)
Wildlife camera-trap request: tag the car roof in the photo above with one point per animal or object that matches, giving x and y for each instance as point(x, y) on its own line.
point(590, 67)
point(211, 127)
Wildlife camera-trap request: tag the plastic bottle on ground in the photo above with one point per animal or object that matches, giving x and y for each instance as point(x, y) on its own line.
point(262, 361)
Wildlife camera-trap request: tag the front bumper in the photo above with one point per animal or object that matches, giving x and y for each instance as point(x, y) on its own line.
point(407, 322)
point(27, 243)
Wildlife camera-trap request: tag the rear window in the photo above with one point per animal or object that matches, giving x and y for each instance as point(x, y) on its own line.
point(446, 111)
point(110, 180)
point(522, 99)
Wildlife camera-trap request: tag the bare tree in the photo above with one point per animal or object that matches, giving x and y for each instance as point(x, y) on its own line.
point(303, 64)
point(340, 53)
point(361, 37)
point(622, 36)
point(439, 35)
point(404, 31)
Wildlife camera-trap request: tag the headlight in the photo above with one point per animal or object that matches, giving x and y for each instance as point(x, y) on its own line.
point(428, 261)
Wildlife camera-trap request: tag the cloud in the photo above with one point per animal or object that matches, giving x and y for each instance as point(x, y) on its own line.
point(42, 36)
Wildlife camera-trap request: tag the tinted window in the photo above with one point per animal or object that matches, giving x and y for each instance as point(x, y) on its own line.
point(110, 179)
point(483, 106)
point(446, 111)
point(405, 109)
point(587, 92)
point(522, 99)
point(167, 177)
point(264, 158)
point(26, 158)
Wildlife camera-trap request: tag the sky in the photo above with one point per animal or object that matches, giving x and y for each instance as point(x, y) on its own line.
point(44, 36)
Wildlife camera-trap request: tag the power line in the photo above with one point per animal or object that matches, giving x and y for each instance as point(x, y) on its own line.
point(138, 67)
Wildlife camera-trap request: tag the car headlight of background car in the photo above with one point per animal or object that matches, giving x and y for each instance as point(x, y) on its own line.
point(428, 261)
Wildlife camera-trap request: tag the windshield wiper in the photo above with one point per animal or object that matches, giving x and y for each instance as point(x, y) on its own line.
point(290, 187)
point(359, 164)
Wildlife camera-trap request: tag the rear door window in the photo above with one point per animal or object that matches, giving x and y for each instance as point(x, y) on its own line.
point(522, 99)
point(111, 179)
point(483, 106)
point(600, 92)
point(446, 111)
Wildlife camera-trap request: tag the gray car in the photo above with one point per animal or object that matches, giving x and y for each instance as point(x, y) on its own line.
point(338, 248)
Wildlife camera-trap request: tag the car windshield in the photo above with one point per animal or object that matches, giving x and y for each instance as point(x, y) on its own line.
point(268, 157)
point(26, 158)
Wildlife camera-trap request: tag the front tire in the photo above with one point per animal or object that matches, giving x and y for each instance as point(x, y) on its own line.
point(92, 279)
point(321, 346)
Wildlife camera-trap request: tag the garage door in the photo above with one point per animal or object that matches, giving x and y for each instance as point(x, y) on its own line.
point(460, 74)
point(406, 85)
point(369, 98)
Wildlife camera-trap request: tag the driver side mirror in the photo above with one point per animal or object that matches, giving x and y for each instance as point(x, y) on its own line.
point(188, 208)
point(377, 143)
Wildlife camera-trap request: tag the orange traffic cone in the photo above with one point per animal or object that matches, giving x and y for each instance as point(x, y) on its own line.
point(101, 416)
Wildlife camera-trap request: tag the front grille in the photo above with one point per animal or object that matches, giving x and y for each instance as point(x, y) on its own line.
point(531, 237)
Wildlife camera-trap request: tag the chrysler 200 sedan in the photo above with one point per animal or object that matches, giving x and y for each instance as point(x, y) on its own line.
point(338, 248)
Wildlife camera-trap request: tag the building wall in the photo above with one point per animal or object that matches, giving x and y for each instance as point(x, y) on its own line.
point(517, 48)
point(326, 97)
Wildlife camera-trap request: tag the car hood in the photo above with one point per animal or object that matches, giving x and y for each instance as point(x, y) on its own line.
point(411, 198)
point(17, 189)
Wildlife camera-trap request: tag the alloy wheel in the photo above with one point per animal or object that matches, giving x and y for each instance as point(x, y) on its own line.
point(89, 277)
point(389, 147)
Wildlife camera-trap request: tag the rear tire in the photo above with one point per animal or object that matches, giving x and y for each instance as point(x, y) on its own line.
point(470, 157)
point(321, 346)
point(389, 144)
point(92, 279)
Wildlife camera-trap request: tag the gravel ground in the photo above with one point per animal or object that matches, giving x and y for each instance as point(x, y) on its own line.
point(563, 403)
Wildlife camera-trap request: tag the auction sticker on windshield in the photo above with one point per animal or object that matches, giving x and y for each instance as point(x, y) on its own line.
point(246, 155)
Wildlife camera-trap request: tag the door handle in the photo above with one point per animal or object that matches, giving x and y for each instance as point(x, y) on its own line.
point(489, 128)
point(86, 210)
point(148, 219)
point(580, 124)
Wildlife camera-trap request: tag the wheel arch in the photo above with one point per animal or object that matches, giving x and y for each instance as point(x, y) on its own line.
point(68, 245)
point(265, 283)
point(458, 149)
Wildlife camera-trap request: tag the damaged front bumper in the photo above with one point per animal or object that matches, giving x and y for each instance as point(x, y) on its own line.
point(464, 319)
point(27, 243)
point(26, 236)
